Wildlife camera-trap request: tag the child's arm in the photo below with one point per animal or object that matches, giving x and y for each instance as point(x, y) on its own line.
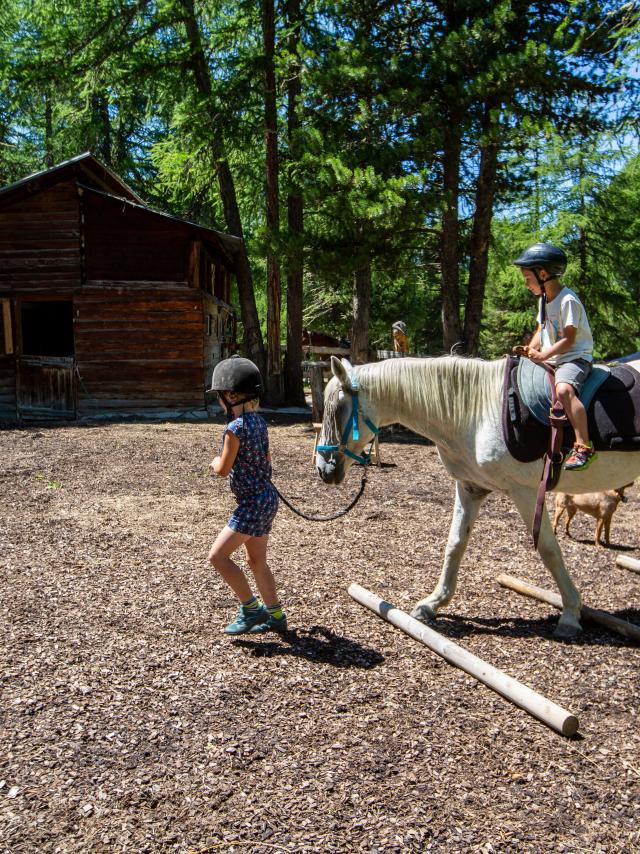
point(223, 464)
point(564, 343)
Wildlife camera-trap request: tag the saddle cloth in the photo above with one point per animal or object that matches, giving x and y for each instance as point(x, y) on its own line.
point(611, 396)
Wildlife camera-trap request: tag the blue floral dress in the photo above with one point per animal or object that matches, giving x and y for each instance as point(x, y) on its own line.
point(250, 477)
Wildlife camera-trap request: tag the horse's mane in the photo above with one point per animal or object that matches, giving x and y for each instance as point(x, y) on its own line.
point(452, 389)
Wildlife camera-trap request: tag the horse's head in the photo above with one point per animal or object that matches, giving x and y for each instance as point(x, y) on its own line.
point(348, 424)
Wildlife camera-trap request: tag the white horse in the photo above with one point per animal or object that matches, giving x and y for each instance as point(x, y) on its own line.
point(456, 402)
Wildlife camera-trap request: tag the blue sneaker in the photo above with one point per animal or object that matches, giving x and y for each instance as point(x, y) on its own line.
point(246, 619)
point(271, 624)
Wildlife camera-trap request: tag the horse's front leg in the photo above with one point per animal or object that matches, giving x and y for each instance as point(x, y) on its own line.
point(569, 623)
point(465, 512)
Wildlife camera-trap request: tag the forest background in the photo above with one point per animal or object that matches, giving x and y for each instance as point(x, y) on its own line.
point(382, 160)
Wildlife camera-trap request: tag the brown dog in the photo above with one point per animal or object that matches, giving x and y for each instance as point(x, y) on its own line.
point(600, 505)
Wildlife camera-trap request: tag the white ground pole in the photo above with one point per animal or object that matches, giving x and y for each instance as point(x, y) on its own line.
point(535, 704)
point(628, 563)
point(622, 627)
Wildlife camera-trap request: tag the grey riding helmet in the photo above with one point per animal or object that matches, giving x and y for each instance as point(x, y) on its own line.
point(401, 326)
point(543, 256)
point(238, 375)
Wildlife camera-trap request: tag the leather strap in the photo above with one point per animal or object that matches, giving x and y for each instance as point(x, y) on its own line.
point(553, 458)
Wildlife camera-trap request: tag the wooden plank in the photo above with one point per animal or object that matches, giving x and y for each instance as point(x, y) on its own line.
point(7, 327)
point(628, 563)
point(328, 351)
point(622, 627)
point(535, 704)
point(141, 284)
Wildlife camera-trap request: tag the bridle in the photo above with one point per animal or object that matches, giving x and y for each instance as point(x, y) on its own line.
point(363, 459)
point(352, 431)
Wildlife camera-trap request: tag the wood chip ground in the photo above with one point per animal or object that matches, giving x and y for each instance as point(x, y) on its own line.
point(130, 723)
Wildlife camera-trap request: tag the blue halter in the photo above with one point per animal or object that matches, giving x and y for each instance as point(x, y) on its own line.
point(351, 428)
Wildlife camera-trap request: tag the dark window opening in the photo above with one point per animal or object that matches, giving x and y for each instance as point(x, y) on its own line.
point(47, 328)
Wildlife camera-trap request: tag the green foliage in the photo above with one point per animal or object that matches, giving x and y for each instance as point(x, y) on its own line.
point(383, 84)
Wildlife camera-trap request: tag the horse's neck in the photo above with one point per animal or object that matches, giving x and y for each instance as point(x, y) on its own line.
point(423, 396)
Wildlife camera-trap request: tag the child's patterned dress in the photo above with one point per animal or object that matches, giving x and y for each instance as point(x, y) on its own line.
point(250, 477)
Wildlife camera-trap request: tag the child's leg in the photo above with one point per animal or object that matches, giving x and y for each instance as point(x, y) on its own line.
point(219, 556)
point(576, 413)
point(257, 559)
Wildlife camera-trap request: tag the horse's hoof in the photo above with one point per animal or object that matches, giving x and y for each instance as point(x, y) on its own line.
point(567, 632)
point(424, 614)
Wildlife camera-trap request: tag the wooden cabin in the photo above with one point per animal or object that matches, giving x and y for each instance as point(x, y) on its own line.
point(106, 306)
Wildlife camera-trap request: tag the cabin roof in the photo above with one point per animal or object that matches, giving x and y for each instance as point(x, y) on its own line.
point(93, 176)
point(83, 167)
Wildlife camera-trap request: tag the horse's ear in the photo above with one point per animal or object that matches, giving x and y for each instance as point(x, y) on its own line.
point(341, 372)
point(348, 366)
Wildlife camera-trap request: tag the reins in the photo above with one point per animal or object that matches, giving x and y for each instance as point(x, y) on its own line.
point(324, 518)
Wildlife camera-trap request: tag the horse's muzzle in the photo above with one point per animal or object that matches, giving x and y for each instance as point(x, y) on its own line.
point(330, 470)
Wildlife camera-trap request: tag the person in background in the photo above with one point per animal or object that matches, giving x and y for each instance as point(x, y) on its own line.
point(400, 339)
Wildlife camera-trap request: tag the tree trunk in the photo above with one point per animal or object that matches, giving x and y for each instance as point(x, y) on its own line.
point(275, 388)
point(481, 234)
point(48, 131)
point(361, 310)
point(451, 333)
point(253, 344)
point(295, 215)
point(101, 127)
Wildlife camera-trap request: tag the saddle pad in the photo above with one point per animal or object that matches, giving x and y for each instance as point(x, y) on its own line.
point(613, 416)
point(533, 382)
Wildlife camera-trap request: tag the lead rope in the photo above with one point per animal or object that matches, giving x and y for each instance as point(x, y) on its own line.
point(324, 518)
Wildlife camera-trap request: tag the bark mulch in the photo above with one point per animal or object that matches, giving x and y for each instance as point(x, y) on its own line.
point(129, 723)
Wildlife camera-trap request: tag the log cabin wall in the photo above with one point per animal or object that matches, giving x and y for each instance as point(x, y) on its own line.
point(124, 283)
point(219, 317)
point(139, 320)
point(39, 254)
point(139, 351)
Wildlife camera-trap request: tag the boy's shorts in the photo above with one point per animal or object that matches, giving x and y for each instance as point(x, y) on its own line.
point(574, 373)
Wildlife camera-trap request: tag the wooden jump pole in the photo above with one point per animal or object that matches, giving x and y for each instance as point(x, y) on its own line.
point(535, 704)
point(628, 563)
point(622, 627)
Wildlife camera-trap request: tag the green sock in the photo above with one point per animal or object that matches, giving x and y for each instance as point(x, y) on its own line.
point(252, 605)
point(276, 611)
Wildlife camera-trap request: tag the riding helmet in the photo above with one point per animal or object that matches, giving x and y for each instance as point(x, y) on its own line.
point(545, 255)
point(237, 374)
point(401, 326)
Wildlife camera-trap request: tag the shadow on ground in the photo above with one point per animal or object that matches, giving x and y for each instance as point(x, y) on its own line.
point(316, 644)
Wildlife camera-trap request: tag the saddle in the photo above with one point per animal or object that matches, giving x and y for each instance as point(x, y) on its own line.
point(611, 398)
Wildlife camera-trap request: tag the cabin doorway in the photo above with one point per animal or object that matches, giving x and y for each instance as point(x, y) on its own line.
point(46, 385)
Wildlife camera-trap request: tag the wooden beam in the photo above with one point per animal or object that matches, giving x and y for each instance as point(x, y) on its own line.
point(6, 324)
point(628, 563)
point(316, 381)
point(535, 704)
point(622, 627)
point(326, 351)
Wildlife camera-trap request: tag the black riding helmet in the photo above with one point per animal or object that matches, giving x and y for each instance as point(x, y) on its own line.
point(543, 256)
point(238, 375)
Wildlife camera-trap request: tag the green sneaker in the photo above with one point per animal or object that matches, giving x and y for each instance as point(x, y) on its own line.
point(581, 457)
point(271, 624)
point(246, 619)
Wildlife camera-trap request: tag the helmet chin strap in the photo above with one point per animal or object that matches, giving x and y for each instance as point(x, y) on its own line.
point(228, 405)
point(543, 301)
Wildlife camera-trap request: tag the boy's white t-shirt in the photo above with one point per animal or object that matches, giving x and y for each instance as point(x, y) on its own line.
point(566, 310)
